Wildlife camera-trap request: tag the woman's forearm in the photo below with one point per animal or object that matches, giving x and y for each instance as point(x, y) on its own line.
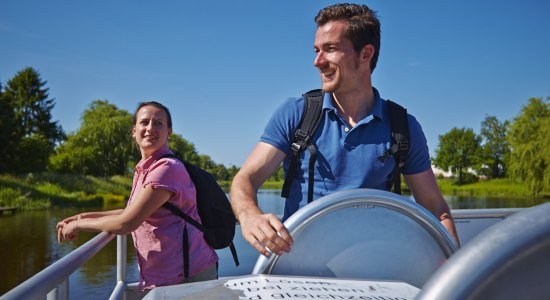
point(99, 214)
point(112, 223)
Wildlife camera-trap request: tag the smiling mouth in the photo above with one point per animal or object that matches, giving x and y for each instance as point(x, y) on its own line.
point(328, 73)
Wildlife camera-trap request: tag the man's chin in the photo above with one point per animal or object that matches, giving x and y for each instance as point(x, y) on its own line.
point(328, 88)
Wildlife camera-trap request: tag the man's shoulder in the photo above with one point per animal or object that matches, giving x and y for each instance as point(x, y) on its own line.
point(290, 109)
point(294, 103)
point(386, 110)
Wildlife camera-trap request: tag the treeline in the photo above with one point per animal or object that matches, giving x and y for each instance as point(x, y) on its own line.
point(517, 149)
point(102, 146)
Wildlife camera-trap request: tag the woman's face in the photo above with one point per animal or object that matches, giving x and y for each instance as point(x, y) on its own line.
point(151, 130)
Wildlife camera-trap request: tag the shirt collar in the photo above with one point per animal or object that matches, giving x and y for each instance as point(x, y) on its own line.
point(377, 107)
point(328, 104)
point(146, 163)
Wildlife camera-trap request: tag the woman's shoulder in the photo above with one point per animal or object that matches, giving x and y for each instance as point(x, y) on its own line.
point(168, 168)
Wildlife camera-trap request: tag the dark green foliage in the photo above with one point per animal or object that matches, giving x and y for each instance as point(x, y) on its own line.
point(496, 148)
point(102, 146)
point(232, 171)
point(278, 175)
point(29, 135)
point(529, 138)
point(184, 147)
point(458, 151)
point(189, 153)
point(9, 137)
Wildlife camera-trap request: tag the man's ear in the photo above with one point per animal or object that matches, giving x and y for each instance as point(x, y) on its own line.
point(367, 53)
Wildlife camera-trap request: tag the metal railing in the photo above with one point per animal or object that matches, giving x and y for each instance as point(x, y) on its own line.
point(53, 281)
point(120, 288)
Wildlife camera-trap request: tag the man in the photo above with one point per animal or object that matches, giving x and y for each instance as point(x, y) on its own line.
point(352, 136)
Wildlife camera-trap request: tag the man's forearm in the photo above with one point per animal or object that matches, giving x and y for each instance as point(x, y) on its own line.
point(243, 197)
point(447, 221)
point(450, 225)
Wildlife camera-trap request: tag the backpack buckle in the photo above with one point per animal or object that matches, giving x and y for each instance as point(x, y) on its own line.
point(296, 147)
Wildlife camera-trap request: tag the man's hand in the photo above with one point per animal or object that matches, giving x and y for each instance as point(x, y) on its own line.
point(266, 233)
point(426, 193)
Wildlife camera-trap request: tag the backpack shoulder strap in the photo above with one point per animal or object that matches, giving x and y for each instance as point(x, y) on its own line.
point(313, 104)
point(399, 127)
point(192, 169)
point(171, 207)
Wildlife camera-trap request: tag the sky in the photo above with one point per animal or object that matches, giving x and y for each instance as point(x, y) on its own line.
point(223, 67)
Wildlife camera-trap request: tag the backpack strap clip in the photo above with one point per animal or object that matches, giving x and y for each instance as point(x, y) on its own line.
point(399, 127)
point(313, 104)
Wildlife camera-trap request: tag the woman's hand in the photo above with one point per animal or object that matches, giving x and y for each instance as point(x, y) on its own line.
point(66, 232)
point(72, 218)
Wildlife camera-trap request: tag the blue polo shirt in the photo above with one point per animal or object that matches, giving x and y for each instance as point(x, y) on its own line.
point(347, 158)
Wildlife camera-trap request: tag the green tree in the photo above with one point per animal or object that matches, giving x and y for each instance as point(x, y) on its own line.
point(189, 153)
point(102, 146)
point(25, 94)
point(278, 175)
point(458, 150)
point(495, 145)
point(9, 138)
point(529, 138)
point(232, 171)
point(220, 172)
point(185, 148)
point(206, 163)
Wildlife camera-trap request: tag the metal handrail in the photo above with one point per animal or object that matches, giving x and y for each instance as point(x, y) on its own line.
point(120, 288)
point(484, 213)
point(53, 280)
point(38, 286)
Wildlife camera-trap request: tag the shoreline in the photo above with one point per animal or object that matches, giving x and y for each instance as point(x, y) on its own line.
point(42, 191)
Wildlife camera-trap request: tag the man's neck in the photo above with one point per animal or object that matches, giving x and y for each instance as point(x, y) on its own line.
point(355, 105)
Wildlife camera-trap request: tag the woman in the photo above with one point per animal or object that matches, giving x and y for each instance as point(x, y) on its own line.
point(156, 232)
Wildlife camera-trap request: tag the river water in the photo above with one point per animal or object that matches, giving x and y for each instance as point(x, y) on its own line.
point(28, 245)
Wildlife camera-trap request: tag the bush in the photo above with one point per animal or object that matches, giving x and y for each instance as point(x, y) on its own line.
point(467, 178)
point(14, 198)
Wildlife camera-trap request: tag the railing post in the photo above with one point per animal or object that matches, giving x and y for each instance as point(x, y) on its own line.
point(121, 260)
point(61, 292)
point(53, 277)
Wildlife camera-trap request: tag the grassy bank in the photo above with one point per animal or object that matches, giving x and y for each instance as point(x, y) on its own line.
point(268, 185)
point(40, 191)
point(490, 188)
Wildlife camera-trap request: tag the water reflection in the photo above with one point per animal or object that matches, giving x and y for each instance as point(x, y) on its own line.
point(28, 244)
point(465, 202)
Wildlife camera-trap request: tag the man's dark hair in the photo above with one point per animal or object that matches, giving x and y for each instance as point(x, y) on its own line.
point(155, 104)
point(363, 25)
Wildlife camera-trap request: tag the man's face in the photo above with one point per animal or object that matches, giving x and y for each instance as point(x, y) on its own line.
point(337, 61)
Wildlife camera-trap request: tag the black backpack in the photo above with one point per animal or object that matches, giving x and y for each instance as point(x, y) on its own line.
point(217, 218)
point(311, 118)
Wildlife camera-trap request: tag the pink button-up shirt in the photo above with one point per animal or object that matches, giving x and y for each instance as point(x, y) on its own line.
point(158, 240)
